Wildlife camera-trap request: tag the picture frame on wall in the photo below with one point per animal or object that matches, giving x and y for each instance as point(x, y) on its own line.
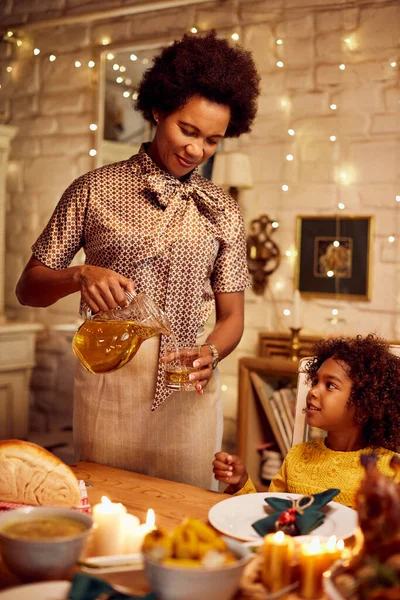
point(334, 256)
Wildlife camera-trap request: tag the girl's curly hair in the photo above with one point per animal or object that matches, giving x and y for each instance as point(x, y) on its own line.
point(375, 394)
point(206, 66)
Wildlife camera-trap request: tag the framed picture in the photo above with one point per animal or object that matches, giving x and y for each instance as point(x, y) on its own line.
point(334, 256)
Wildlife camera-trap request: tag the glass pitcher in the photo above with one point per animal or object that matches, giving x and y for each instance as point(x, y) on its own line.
point(109, 339)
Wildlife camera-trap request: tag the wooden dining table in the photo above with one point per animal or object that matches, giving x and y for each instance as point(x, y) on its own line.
point(171, 502)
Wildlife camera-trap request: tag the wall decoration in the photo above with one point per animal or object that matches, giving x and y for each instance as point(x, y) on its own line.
point(334, 256)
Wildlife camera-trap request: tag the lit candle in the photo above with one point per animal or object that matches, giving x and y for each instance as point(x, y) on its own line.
point(108, 531)
point(332, 551)
point(131, 524)
point(137, 535)
point(312, 565)
point(296, 317)
point(277, 556)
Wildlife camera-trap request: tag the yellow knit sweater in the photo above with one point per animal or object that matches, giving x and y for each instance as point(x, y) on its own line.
point(311, 467)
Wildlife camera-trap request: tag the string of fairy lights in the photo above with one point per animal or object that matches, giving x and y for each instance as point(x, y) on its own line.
point(344, 176)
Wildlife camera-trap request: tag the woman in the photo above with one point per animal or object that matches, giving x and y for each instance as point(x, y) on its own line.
point(153, 224)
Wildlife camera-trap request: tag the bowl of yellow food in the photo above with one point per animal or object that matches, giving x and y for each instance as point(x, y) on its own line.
point(193, 562)
point(43, 543)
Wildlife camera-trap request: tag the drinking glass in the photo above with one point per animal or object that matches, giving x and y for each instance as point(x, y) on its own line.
point(179, 365)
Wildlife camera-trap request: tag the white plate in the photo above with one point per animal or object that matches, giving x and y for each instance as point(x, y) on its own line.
point(235, 515)
point(98, 565)
point(46, 590)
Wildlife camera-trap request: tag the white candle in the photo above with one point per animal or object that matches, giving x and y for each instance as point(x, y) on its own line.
point(108, 531)
point(296, 317)
point(131, 524)
point(137, 536)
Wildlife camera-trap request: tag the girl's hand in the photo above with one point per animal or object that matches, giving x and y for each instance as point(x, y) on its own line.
point(230, 469)
point(103, 289)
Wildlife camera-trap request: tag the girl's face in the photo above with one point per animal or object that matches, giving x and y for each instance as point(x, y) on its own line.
point(189, 136)
point(327, 399)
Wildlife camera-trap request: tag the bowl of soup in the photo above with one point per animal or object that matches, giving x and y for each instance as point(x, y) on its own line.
point(43, 543)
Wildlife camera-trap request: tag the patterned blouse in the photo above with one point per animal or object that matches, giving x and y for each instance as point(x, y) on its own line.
point(179, 241)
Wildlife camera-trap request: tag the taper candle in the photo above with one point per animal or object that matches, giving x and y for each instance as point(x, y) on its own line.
point(312, 565)
point(277, 556)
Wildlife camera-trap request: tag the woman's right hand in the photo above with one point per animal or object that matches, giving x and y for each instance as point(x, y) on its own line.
point(103, 289)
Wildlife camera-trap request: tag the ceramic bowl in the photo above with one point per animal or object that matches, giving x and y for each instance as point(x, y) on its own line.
point(182, 583)
point(37, 560)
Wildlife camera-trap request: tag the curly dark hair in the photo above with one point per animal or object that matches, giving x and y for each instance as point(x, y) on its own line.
point(207, 66)
point(375, 394)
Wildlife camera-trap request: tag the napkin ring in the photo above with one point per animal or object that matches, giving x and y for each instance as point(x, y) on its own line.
point(287, 519)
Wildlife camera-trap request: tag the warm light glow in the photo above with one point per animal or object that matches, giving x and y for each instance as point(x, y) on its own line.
point(224, 387)
point(115, 67)
point(52, 57)
point(291, 131)
point(135, 96)
point(288, 253)
point(119, 79)
point(19, 43)
point(330, 273)
point(9, 69)
point(105, 500)
point(333, 106)
point(336, 243)
point(335, 312)
point(105, 41)
point(78, 64)
point(36, 51)
point(286, 312)
point(279, 64)
point(331, 543)
point(285, 103)
point(393, 64)
point(313, 548)
point(278, 285)
point(341, 206)
point(397, 198)
point(279, 42)
point(145, 61)
point(351, 43)
point(193, 30)
point(92, 126)
point(235, 36)
point(150, 518)
point(91, 64)
point(340, 545)
point(391, 239)
point(133, 57)
point(285, 187)
point(279, 537)
point(110, 56)
point(342, 67)
point(275, 224)
point(128, 81)
point(344, 175)
point(92, 152)
point(122, 69)
point(10, 33)
point(333, 138)
point(126, 94)
point(289, 157)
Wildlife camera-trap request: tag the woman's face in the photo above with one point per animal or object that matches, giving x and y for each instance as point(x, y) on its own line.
point(189, 136)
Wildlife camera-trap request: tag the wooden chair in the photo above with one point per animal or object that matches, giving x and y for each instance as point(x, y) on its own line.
point(300, 431)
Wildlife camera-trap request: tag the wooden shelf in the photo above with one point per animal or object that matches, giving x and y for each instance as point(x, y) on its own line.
point(253, 426)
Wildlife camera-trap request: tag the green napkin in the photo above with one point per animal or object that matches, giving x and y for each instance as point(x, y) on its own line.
point(86, 587)
point(309, 520)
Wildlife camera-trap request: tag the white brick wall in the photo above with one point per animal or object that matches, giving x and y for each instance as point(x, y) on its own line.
point(53, 104)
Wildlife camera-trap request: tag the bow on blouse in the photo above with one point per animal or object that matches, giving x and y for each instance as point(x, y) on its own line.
point(163, 188)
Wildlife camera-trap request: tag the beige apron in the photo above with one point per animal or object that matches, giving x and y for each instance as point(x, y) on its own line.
point(114, 424)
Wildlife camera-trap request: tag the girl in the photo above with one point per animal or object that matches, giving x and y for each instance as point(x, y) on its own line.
point(355, 398)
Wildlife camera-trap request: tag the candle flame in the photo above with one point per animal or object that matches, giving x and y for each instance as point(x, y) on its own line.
point(105, 500)
point(279, 537)
point(314, 547)
point(150, 518)
point(340, 545)
point(331, 544)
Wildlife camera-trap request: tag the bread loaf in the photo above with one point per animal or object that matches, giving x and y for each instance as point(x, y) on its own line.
point(29, 474)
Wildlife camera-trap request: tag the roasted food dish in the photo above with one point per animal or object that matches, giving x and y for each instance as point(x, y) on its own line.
point(191, 544)
point(374, 573)
point(29, 474)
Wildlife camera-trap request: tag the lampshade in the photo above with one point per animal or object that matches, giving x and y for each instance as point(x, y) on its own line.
point(232, 169)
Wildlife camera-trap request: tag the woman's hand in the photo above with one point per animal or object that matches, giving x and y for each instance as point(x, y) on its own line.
point(230, 469)
point(103, 289)
point(204, 365)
